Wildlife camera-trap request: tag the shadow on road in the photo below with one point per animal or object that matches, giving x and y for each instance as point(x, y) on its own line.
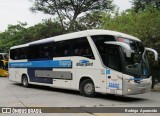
point(120, 98)
point(99, 96)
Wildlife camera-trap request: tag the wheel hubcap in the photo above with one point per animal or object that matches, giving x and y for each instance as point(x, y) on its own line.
point(89, 88)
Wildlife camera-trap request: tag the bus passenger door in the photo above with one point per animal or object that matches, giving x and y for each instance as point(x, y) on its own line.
point(114, 71)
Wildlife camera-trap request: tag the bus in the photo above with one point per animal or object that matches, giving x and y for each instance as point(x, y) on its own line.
point(4, 65)
point(90, 61)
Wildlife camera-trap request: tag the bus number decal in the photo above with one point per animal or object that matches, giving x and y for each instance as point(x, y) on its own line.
point(65, 63)
point(114, 85)
point(84, 63)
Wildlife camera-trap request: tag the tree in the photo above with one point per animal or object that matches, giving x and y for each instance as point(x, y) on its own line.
point(19, 34)
point(144, 25)
point(141, 5)
point(91, 20)
point(70, 10)
point(47, 28)
point(12, 36)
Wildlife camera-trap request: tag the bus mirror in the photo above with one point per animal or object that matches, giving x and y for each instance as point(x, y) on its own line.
point(154, 51)
point(126, 48)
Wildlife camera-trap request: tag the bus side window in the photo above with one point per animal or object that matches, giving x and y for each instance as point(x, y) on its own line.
point(46, 50)
point(23, 53)
point(63, 48)
point(99, 42)
point(113, 58)
point(12, 54)
point(81, 47)
point(59, 49)
point(16, 54)
point(34, 52)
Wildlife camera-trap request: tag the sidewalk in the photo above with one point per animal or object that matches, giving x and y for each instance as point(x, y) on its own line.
point(156, 87)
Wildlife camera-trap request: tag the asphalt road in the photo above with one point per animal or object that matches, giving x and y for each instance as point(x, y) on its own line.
point(14, 95)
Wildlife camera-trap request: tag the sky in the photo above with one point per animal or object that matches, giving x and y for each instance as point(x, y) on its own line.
point(12, 11)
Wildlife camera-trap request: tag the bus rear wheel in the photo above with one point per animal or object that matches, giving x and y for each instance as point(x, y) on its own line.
point(25, 81)
point(87, 88)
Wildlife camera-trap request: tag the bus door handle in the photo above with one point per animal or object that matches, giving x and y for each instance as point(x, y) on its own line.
point(109, 77)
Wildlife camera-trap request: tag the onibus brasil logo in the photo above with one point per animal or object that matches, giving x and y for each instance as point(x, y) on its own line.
point(84, 63)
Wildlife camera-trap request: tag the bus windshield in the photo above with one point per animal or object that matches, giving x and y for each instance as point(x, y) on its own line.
point(137, 64)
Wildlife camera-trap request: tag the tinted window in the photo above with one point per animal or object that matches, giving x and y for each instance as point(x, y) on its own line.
point(32, 52)
point(18, 53)
point(113, 58)
point(40, 51)
point(63, 48)
point(73, 47)
point(99, 42)
point(81, 47)
point(110, 54)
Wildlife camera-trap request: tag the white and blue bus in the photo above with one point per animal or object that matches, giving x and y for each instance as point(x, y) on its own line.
point(91, 61)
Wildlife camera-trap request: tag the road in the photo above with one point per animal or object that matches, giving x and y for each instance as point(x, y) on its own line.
point(14, 95)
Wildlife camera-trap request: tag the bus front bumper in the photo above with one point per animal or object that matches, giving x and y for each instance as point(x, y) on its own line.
point(132, 88)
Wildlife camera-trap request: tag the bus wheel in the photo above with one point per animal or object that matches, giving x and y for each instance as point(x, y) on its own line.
point(25, 81)
point(87, 88)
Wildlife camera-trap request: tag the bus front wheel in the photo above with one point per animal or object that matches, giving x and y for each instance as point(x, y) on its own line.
point(87, 88)
point(25, 81)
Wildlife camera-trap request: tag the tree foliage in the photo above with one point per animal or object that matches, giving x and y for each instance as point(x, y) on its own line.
point(91, 20)
point(70, 10)
point(20, 34)
point(141, 5)
point(144, 25)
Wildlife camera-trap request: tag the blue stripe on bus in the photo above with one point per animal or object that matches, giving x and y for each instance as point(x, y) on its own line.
point(42, 64)
point(136, 79)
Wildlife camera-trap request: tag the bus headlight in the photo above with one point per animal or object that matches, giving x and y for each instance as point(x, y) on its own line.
point(131, 81)
point(129, 90)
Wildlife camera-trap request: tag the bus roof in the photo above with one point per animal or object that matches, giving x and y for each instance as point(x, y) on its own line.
point(77, 35)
